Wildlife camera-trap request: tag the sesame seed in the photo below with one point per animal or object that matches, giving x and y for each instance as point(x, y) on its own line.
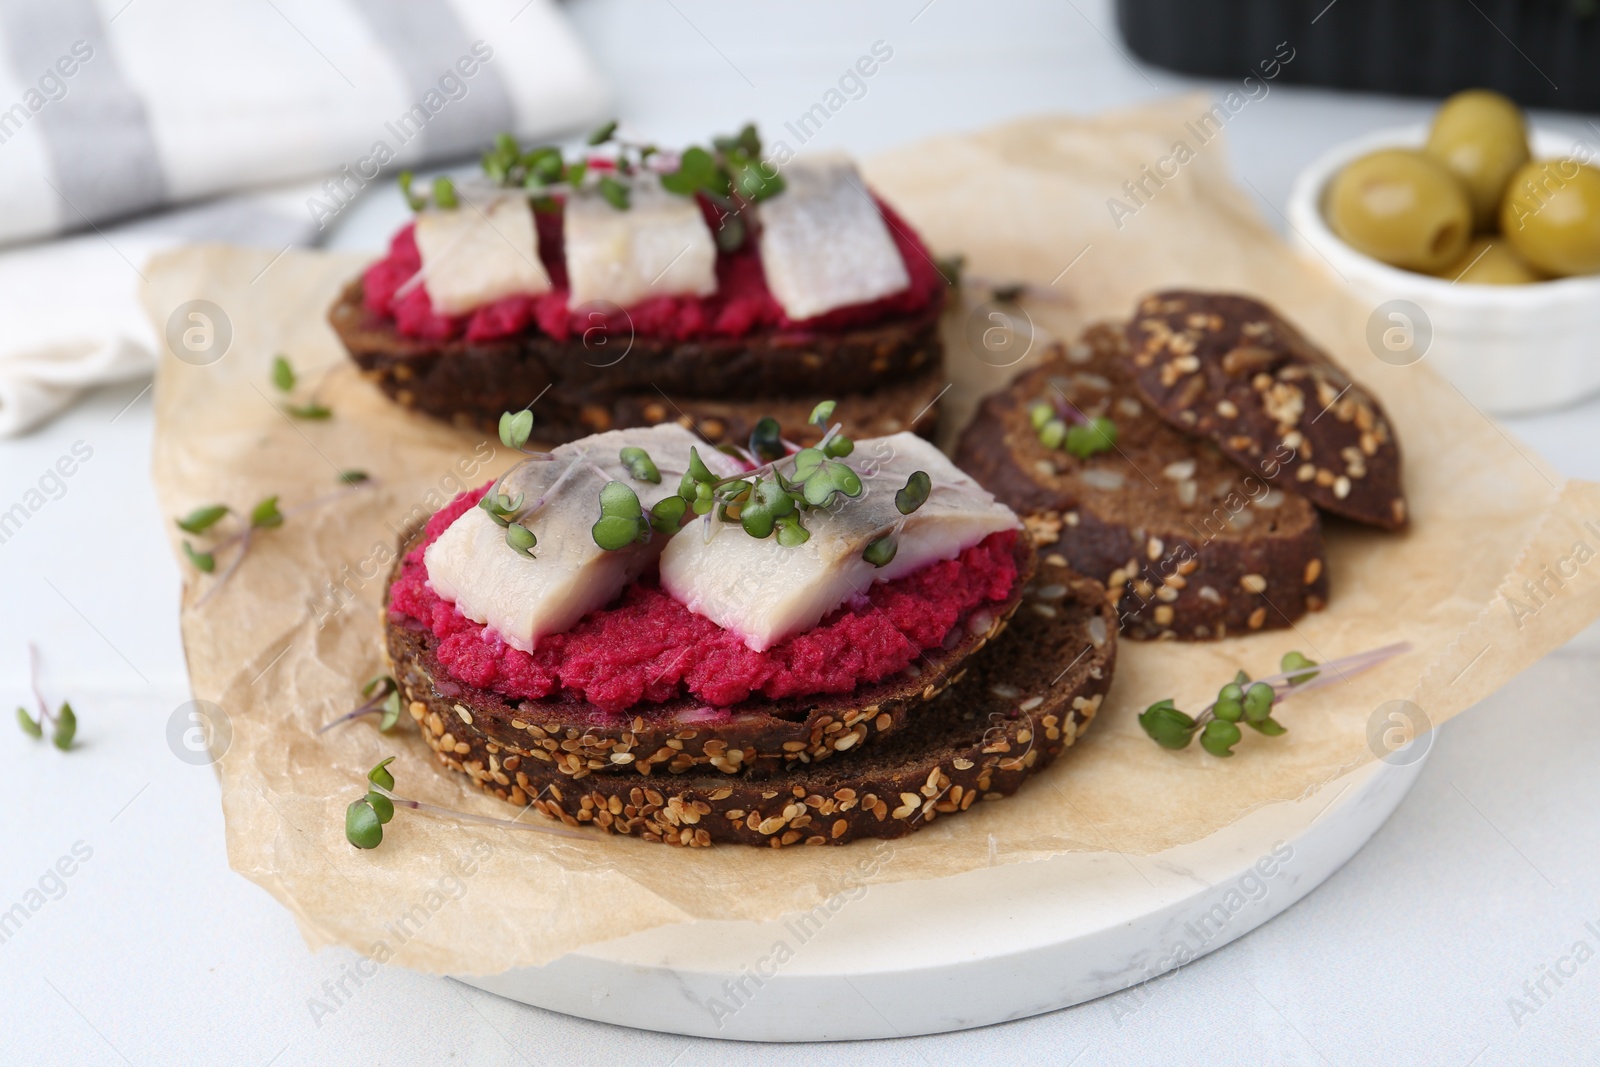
point(1253, 583)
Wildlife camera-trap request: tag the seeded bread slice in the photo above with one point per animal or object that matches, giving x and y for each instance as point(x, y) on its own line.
point(588, 388)
point(1231, 369)
point(1028, 697)
point(1189, 545)
point(759, 737)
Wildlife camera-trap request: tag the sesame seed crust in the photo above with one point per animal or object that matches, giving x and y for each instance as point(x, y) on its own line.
point(1189, 545)
point(1028, 698)
point(1233, 370)
point(758, 737)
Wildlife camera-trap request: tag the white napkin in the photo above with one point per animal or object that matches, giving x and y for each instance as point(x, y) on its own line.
point(109, 108)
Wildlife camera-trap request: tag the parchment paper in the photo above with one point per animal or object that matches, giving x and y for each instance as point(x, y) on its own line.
point(282, 652)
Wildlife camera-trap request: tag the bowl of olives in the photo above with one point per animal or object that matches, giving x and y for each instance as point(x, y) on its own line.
point(1475, 241)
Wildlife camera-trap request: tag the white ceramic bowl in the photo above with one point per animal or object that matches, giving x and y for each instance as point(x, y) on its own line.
point(1511, 349)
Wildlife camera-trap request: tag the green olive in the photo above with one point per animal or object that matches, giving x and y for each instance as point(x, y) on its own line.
point(1400, 206)
point(1551, 216)
point(1480, 137)
point(1490, 261)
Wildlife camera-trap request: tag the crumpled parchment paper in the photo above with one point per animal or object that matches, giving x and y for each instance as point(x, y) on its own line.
point(283, 647)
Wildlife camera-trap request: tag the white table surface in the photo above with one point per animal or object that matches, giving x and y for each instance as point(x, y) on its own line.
point(156, 953)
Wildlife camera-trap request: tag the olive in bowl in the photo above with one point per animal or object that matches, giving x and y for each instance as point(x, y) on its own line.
point(1551, 216)
point(1401, 206)
point(1480, 137)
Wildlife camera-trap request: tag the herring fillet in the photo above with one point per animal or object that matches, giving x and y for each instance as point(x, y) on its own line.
point(765, 592)
point(659, 246)
point(525, 599)
point(824, 243)
point(479, 252)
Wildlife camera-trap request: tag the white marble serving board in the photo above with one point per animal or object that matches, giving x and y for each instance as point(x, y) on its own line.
point(999, 943)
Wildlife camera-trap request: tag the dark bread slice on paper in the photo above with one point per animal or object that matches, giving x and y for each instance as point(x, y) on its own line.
point(1231, 369)
point(1027, 697)
point(588, 387)
point(758, 738)
point(1190, 545)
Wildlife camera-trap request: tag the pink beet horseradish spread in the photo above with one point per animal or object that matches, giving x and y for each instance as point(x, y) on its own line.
point(646, 647)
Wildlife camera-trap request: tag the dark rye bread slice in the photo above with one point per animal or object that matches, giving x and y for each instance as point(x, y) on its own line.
point(593, 387)
point(1028, 697)
point(1189, 545)
point(1230, 368)
point(758, 738)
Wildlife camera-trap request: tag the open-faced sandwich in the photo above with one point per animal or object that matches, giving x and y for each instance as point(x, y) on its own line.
point(1182, 460)
point(636, 286)
point(770, 645)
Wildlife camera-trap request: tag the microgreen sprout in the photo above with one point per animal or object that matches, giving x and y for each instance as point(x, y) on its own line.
point(622, 520)
point(1252, 702)
point(63, 723)
point(521, 539)
point(284, 380)
point(444, 193)
point(640, 465)
point(1063, 426)
point(265, 515)
point(515, 428)
point(881, 550)
point(604, 133)
point(383, 694)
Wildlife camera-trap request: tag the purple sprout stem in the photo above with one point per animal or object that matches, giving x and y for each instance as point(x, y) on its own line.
point(1335, 670)
point(372, 705)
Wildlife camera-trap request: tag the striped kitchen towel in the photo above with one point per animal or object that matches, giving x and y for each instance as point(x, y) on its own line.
point(116, 107)
point(122, 108)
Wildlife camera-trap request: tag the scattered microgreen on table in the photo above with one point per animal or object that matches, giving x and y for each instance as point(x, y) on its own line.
point(62, 723)
point(284, 380)
point(1252, 702)
point(1060, 425)
point(265, 515)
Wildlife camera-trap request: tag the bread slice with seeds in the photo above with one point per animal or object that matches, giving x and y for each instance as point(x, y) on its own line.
point(758, 737)
point(1190, 545)
point(1028, 697)
point(1231, 369)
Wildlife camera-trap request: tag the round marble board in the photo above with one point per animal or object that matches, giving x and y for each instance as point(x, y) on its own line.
point(993, 944)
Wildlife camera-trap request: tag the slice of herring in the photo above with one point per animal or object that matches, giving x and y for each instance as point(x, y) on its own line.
point(659, 246)
point(480, 252)
point(525, 599)
point(824, 243)
point(766, 592)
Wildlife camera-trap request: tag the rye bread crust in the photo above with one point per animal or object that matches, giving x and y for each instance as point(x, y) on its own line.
point(1026, 699)
point(1190, 546)
point(590, 388)
point(760, 739)
point(1231, 369)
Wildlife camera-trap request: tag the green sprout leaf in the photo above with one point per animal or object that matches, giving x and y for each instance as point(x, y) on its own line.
point(1219, 737)
point(618, 498)
point(880, 552)
point(1270, 726)
point(310, 410)
point(354, 477)
point(828, 480)
point(203, 561)
point(806, 463)
point(515, 428)
point(767, 504)
point(614, 192)
point(697, 468)
point(381, 805)
point(501, 508)
point(444, 193)
point(1100, 435)
point(1258, 701)
point(29, 726)
point(1040, 414)
point(667, 514)
point(521, 539)
point(266, 515)
point(613, 532)
point(1294, 661)
point(413, 201)
point(1167, 726)
point(1230, 703)
point(766, 440)
point(914, 494)
point(640, 465)
point(362, 827)
point(1053, 434)
point(66, 727)
point(282, 374)
point(822, 413)
point(839, 447)
point(602, 134)
point(202, 519)
point(379, 775)
point(791, 533)
point(696, 171)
